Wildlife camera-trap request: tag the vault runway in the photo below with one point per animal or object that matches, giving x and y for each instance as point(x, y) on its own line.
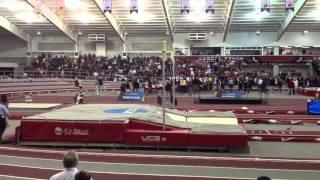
point(37, 163)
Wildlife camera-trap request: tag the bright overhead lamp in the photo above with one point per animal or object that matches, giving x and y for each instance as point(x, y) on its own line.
point(85, 17)
point(258, 32)
point(305, 31)
point(141, 17)
point(14, 5)
point(72, 4)
point(79, 32)
point(211, 32)
point(38, 33)
point(29, 16)
point(197, 17)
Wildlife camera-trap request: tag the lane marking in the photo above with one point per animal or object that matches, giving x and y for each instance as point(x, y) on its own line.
point(168, 156)
point(137, 174)
point(159, 165)
point(19, 177)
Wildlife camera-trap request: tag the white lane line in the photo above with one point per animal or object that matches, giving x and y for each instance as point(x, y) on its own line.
point(158, 165)
point(19, 177)
point(168, 156)
point(137, 174)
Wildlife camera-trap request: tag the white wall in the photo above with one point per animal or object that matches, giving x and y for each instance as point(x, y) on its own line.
point(52, 43)
point(12, 47)
point(12, 50)
point(300, 39)
point(250, 39)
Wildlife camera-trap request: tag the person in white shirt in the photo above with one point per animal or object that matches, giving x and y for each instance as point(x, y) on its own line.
point(70, 162)
point(296, 83)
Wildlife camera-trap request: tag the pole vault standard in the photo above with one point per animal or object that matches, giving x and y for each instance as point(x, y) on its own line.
point(173, 77)
point(163, 83)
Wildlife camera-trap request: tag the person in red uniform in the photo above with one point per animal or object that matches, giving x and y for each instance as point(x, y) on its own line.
point(291, 87)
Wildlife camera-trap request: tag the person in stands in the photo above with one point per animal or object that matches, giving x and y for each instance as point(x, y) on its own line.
point(82, 175)
point(5, 101)
point(70, 162)
point(76, 83)
point(135, 86)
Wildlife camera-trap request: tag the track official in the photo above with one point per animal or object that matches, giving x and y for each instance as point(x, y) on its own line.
point(4, 114)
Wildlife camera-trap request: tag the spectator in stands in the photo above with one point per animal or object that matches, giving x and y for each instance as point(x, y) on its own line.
point(135, 86)
point(230, 83)
point(123, 88)
point(128, 86)
point(5, 101)
point(70, 162)
point(82, 175)
point(4, 114)
point(77, 83)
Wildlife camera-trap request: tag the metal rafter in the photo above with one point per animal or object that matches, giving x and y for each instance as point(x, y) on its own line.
point(290, 17)
point(111, 19)
point(13, 28)
point(168, 18)
point(229, 14)
point(54, 19)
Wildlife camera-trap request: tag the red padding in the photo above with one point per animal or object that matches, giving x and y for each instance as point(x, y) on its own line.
point(174, 138)
point(218, 140)
point(73, 131)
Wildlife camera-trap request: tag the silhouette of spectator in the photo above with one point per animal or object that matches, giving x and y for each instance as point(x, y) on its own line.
point(263, 178)
point(82, 175)
point(70, 162)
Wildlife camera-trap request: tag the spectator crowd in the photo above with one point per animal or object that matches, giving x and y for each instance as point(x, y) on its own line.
point(218, 72)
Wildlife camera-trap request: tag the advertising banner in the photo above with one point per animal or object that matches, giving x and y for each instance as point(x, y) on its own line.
point(131, 96)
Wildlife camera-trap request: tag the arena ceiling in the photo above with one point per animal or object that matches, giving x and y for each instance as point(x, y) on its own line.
point(155, 17)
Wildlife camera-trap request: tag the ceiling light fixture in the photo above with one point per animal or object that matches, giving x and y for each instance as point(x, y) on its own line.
point(305, 31)
point(258, 32)
point(79, 32)
point(38, 32)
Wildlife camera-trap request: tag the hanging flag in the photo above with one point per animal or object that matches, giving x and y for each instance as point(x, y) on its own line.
point(265, 5)
point(185, 6)
point(210, 6)
point(60, 7)
point(107, 5)
point(134, 6)
point(38, 8)
point(290, 5)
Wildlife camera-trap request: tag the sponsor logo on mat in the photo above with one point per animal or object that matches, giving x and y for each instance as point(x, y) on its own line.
point(125, 111)
point(67, 132)
point(153, 139)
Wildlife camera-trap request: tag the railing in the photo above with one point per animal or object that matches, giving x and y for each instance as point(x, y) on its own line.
point(68, 75)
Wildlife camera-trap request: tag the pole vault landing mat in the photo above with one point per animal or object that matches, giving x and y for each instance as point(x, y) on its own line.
point(134, 125)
